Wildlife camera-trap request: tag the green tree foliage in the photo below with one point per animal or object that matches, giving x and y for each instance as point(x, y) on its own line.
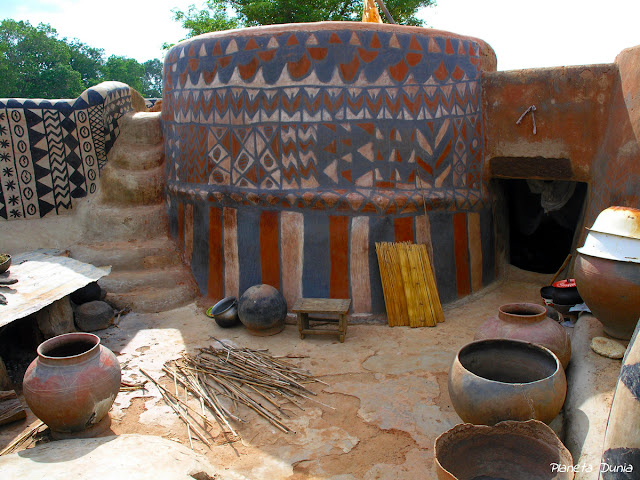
point(152, 80)
point(212, 19)
point(126, 70)
point(36, 63)
point(248, 13)
point(88, 61)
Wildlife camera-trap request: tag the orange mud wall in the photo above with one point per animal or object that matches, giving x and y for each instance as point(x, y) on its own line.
point(587, 129)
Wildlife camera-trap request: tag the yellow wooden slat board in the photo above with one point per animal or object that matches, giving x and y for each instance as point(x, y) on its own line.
point(408, 285)
point(432, 289)
point(402, 309)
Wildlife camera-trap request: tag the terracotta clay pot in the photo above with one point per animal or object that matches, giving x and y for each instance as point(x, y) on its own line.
point(72, 383)
point(263, 310)
point(528, 322)
point(611, 290)
point(514, 450)
point(499, 379)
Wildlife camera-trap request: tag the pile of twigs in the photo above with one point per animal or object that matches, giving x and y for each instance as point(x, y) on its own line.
point(223, 379)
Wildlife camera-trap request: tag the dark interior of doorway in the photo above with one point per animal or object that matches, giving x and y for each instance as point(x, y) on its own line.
point(540, 241)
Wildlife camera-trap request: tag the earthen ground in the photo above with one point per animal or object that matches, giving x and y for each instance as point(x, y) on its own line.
point(387, 389)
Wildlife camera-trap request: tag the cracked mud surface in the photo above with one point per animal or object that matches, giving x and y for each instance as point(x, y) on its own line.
point(387, 387)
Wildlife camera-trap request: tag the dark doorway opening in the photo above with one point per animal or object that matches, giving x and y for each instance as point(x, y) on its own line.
point(543, 216)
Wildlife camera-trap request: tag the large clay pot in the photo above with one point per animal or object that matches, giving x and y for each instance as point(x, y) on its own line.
point(528, 322)
point(621, 455)
point(513, 450)
point(72, 383)
point(611, 290)
point(263, 310)
point(607, 270)
point(499, 379)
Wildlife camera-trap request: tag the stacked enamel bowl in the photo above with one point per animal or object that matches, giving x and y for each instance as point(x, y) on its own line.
point(607, 270)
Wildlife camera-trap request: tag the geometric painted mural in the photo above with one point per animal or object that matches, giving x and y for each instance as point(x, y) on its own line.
point(291, 150)
point(52, 151)
point(342, 116)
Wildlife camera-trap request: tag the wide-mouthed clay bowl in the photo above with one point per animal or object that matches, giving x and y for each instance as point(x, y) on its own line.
point(509, 450)
point(498, 379)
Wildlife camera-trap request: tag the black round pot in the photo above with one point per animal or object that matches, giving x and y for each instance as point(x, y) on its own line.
point(86, 294)
point(547, 293)
point(566, 296)
point(262, 309)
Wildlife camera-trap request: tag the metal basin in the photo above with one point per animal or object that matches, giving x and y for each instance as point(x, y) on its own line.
point(225, 312)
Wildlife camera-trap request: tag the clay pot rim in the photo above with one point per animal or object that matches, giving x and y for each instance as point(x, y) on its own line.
point(510, 316)
point(508, 340)
point(541, 432)
point(65, 338)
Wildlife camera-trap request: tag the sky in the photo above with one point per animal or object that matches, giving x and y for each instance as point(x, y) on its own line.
point(524, 34)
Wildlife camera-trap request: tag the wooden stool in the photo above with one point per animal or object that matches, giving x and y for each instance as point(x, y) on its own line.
point(325, 306)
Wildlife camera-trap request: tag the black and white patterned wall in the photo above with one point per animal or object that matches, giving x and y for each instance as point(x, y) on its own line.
point(52, 151)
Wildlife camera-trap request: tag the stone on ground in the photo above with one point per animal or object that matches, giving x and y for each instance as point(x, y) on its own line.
point(607, 347)
point(55, 319)
point(96, 315)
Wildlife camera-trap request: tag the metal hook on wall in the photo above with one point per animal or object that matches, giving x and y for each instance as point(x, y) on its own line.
point(531, 109)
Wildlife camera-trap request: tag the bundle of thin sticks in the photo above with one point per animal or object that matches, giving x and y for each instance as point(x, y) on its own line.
point(223, 379)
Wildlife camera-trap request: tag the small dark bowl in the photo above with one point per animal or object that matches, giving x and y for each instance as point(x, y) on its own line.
point(566, 296)
point(225, 312)
point(547, 294)
point(4, 266)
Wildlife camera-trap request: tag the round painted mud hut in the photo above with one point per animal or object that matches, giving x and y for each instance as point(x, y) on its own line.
point(292, 149)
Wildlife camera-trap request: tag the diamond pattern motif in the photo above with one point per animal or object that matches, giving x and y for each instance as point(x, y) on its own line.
point(332, 110)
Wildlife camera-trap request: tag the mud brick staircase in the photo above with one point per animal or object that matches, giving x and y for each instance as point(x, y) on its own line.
point(128, 226)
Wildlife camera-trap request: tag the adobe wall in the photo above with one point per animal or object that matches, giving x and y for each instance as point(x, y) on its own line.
point(615, 178)
point(587, 119)
point(291, 150)
point(572, 106)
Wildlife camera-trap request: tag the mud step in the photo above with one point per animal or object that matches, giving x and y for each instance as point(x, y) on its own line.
point(132, 187)
point(141, 128)
point(120, 223)
point(132, 255)
point(133, 156)
point(129, 280)
point(153, 299)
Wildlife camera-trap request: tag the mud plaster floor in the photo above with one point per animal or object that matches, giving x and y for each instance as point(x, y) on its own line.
point(388, 387)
